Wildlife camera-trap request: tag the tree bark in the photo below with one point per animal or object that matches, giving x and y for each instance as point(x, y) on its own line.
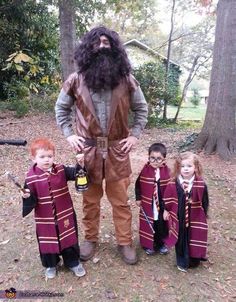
point(218, 132)
point(186, 84)
point(67, 36)
point(168, 58)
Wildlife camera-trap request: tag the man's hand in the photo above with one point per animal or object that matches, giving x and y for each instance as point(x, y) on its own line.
point(80, 159)
point(130, 142)
point(76, 142)
point(138, 203)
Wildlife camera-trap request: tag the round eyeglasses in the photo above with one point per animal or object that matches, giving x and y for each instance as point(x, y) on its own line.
point(153, 159)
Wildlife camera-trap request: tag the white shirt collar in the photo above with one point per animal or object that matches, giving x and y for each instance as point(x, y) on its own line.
point(181, 180)
point(157, 174)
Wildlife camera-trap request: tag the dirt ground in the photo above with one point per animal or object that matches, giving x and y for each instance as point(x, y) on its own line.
point(154, 278)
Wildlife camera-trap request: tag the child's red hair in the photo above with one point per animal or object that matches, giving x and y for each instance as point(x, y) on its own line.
point(41, 143)
point(187, 155)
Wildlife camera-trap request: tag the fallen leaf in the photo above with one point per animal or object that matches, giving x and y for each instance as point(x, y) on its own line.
point(96, 260)
point(110, 294)
point(4, 242)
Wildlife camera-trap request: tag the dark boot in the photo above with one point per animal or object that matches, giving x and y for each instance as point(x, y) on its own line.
point(87, 250)
point(128, 254)
point(194, 262)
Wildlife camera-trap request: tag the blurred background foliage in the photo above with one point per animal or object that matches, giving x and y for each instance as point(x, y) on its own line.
point(30, 63)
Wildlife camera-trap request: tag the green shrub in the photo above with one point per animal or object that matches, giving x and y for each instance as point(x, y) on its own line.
point(196, 98)
point(42, 103)
point(21, 107)
point(175, 100)
point(33, 103)
point(152, 120)
point(22, 99)
point(151, 77)
point(16, 89)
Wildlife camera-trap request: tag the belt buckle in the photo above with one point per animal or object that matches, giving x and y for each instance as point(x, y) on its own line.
point(102, 143)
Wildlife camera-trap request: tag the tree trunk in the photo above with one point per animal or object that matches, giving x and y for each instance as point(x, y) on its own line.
point(168, 59)
point(218, 132)
point(187, 83)
point(67, 36)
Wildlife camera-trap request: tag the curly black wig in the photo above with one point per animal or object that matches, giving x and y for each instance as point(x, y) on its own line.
point(102, 67)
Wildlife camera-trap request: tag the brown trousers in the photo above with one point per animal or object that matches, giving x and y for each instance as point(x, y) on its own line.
point(122, 216)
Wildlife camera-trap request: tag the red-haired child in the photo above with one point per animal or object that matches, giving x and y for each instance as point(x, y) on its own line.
point(48, 194)
point(186, 204)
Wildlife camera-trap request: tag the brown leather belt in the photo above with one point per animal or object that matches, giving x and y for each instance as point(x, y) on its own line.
point(101, 142)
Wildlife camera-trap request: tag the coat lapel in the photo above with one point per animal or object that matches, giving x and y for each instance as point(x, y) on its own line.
point(85, 95)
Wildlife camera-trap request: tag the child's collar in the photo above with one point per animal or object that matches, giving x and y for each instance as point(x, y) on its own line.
point(181, 179)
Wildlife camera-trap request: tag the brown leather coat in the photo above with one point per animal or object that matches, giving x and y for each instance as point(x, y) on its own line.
point(117, 163)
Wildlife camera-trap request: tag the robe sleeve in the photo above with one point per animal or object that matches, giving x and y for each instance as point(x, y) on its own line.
point(28, 203)
point(137, 189)
point(205, 200)
point(71, 172)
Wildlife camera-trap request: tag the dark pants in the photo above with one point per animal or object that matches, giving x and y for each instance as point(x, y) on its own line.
point(70, 257)
point(184, 260)
point(161, 232)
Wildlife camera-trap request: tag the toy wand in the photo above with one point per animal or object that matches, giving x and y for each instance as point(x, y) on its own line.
point(13, 179)
point(147, 219)
point(14, 142)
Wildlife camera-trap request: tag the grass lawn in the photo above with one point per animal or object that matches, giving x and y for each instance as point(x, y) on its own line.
point(188, 112)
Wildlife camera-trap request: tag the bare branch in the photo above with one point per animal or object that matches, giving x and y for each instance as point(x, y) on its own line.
point(198, 67)
point(172, 40)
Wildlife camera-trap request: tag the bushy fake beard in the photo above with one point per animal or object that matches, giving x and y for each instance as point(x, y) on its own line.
point(104, 71)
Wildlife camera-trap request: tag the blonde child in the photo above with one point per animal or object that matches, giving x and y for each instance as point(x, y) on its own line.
point(47, 193)
point(186, 204)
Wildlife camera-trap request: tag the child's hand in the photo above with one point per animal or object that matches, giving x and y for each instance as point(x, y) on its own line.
point(80, 159)
point(25, 193)
point(138, 203)
point(166, 215)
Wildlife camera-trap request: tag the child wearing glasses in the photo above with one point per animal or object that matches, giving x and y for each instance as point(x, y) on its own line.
point(149, 188)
